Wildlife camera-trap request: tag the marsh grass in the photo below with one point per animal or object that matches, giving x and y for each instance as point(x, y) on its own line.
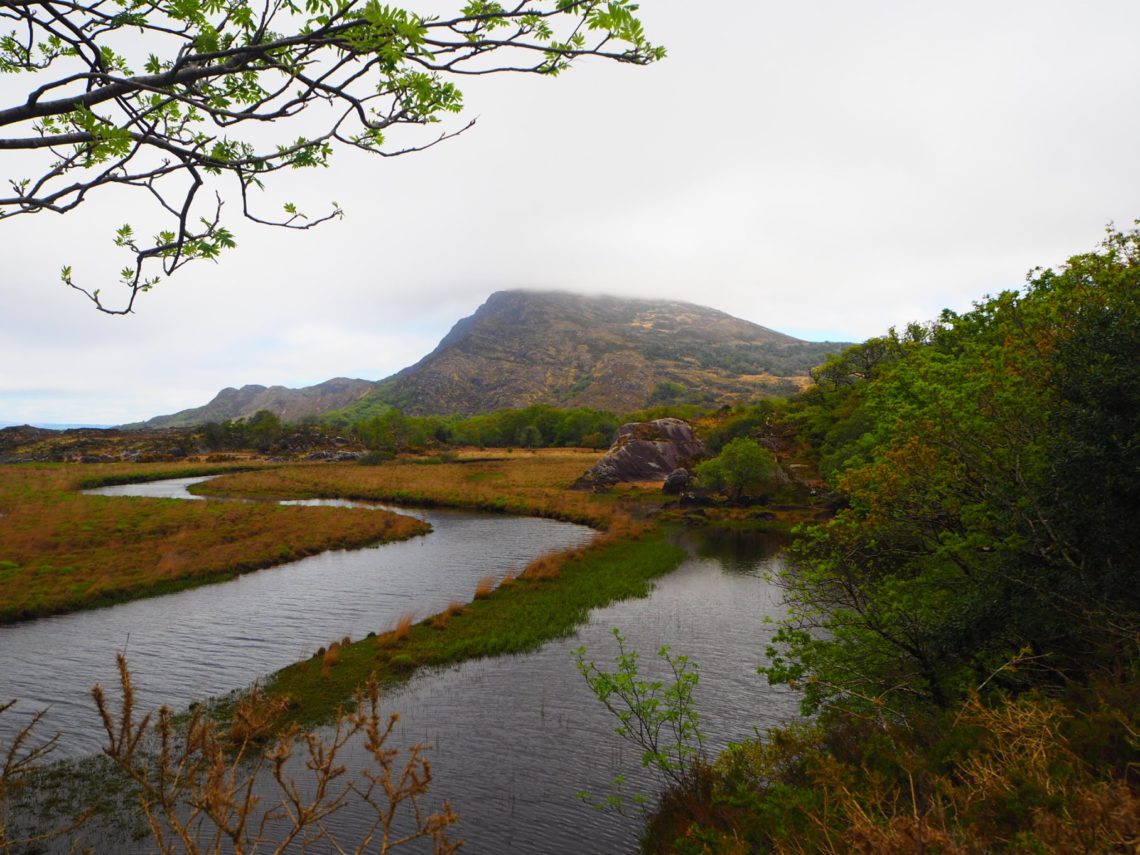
point(533, 485)
point(393, 636)
point(64, 551)
point(330, 658)
point(514, 618)
point(484, 587)
point(453, 609)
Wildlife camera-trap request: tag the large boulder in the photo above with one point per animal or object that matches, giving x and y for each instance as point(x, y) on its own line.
point(645, 451)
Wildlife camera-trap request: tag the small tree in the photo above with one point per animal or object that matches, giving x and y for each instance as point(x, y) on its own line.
point(263, 429)
point(659, 718)
point(743, 468)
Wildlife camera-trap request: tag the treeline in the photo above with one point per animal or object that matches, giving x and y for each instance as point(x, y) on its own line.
point(965, 630)
point(537, 426)
point(391, 431)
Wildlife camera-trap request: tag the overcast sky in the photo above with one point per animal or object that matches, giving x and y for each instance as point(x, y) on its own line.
point(825, 169)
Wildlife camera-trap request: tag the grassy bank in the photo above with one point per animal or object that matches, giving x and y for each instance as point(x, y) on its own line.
point(522, 483)
point(547, 601)
point(63, 551)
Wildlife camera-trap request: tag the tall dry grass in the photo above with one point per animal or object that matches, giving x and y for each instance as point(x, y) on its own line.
point(484, 587)
point(61, 550)
point(535, 485)
point(204, 792)
point(399, 632)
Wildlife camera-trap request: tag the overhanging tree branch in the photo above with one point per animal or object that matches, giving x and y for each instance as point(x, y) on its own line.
point(170, 96)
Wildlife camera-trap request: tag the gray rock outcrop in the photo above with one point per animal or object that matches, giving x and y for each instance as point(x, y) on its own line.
point(645, 451)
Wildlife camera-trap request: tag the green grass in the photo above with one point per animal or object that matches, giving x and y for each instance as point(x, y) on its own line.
point(515, 618)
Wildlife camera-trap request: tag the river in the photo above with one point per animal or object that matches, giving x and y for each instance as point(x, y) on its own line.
point(208, 641)
point(513, 738)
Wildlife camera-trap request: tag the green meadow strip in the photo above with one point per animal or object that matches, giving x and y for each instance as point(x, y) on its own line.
point(517, 617)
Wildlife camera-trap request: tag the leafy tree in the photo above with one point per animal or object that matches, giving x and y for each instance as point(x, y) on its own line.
point(992, 502)
point(164, 97)
point(743, 468)
point(263, 429)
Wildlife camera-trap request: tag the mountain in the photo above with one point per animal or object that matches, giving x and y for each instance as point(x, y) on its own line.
point(561, 349)
point(609, 353)
point(288, 404)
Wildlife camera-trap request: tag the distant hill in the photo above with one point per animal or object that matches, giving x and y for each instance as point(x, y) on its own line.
point(565, 350)
point(289, 404)
point(609, 353)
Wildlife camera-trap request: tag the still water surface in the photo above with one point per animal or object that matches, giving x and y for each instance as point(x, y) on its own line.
point(514, 738)
point(210, 640)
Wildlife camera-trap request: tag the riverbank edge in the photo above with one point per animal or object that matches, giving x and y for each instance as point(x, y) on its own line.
point(174, 586)
point(518, 616)
point(546, 602)
point(513, 505)
point(117, 596)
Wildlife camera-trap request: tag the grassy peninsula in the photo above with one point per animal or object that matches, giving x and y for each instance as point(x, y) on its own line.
point(61, 550)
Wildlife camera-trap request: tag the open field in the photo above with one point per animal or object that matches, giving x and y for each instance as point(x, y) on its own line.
point(62, 551)
point(519, 483)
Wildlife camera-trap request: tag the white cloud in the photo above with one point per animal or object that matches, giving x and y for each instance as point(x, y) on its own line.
point(825, 169)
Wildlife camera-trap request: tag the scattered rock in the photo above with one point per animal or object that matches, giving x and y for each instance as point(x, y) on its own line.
point(677, 481)
point(334, 456)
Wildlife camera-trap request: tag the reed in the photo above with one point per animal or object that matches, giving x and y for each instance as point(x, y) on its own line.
point(330, 658)
point(398, 632)
point(484, 587)
point(441, 620)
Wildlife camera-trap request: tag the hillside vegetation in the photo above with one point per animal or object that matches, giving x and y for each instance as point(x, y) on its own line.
point(605, 353)
point(522, 348)
point(965, 630)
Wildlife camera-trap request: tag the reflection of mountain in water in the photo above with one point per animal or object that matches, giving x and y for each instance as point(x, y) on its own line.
point(737, 550)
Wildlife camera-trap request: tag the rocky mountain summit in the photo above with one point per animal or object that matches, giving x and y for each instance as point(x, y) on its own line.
point(560, 349)
point(608, 353)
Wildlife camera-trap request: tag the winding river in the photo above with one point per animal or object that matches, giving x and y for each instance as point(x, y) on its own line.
point(513, 738)
point(210, 640)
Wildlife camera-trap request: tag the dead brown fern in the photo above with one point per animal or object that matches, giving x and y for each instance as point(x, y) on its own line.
point(202, 792)
point(18, 760)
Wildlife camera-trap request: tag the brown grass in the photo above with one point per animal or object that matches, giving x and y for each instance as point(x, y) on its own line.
point(520, 484)
point(441, 620)
point(330, 658)
point(484, 587)
point(401, 631)
point(61, 550)
point(547, 566)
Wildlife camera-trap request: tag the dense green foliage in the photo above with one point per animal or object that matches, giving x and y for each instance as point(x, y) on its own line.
point(743, 468)
point(537, 426)
point(995, 509)
point(965, 628)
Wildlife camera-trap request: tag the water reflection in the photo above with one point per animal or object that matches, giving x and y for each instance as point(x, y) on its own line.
point(517, 737)
point(736, 550)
